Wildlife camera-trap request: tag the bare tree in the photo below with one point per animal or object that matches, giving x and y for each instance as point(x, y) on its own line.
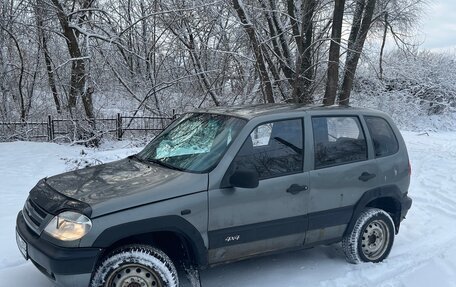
point(396, 18)
point(304, 74)
point(257, 50)
point(362, 21)
point(78, 79)
point(334, 54)
point(47, 57)
point(22, 106)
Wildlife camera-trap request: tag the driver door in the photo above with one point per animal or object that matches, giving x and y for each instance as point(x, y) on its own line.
point(272, 216)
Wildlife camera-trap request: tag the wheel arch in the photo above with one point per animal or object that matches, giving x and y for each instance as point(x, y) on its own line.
point(159, 230)
point(387, 198)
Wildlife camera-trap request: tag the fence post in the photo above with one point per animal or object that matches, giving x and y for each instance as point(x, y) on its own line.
point(119, 126)
point(50, 125)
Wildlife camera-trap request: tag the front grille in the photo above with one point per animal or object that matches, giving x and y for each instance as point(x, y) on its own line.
point(35, 216)
point(38, 209)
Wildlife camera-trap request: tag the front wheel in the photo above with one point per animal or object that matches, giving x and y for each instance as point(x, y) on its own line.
point(371, 238)
point(136, 266)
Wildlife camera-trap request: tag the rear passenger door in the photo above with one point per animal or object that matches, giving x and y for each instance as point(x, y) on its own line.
point(341, 173)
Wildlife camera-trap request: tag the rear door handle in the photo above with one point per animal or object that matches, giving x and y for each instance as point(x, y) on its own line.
point(365, 176)
point(296, 188)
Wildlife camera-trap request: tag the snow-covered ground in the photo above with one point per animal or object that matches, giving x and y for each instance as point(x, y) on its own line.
point(424, 253)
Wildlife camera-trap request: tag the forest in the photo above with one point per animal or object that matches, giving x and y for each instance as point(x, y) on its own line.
point(85, 59)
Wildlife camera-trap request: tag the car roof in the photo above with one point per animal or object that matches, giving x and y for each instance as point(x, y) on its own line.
point(252, 111)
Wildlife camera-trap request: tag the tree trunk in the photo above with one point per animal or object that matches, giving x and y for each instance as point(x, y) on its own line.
point(355, 50)
point(266, 85)
point(291, 8)
point(284, 43)
point(382, 49)
point(88, 105)
point(3, 89)
point(78, 77)
point(22, 108)
point(279, 44)
point(304, 76)
point(334, 54)
point(47, 57)
point(204, 82)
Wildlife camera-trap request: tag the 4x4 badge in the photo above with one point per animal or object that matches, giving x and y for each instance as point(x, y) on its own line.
point(232, 238)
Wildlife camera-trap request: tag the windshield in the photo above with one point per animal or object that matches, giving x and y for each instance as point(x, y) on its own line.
point(195, 142)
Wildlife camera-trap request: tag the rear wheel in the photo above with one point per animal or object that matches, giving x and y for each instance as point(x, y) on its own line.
point(136, 266)
point(371, 238)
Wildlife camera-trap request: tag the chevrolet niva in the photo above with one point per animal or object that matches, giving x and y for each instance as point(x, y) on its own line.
point(220, 185)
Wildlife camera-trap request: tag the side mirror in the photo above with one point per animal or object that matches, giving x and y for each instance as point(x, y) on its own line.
point(244, 178)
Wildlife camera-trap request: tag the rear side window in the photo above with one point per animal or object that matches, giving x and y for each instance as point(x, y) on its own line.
point(338, 140)
point(273, 149)
point(383, 137)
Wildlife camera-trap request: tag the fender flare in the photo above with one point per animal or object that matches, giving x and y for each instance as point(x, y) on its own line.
point(388, 191)
point(171, 223)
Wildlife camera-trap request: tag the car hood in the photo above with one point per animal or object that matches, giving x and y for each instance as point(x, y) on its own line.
point(124, 184)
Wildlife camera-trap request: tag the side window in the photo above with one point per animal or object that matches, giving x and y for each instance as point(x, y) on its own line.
point(273, 149)
point(383, 137)
point(338, 140)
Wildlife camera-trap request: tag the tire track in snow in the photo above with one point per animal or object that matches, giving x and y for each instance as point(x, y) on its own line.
point(389, 271)
point(427, 233)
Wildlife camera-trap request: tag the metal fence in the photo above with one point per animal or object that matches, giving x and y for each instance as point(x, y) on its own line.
point(58, 129)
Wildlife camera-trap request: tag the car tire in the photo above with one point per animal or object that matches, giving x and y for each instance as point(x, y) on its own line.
point(371, 238)
point(136, 265)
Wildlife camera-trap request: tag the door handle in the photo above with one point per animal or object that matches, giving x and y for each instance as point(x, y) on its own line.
point(365, 176)
point(296, 188)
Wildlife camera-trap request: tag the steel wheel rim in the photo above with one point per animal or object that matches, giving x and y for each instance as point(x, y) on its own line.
point(375, 239)
point(134, 275)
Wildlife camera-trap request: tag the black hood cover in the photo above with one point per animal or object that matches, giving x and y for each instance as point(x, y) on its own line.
point(54, 202)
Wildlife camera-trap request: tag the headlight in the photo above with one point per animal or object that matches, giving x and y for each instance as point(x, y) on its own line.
point(68, 226)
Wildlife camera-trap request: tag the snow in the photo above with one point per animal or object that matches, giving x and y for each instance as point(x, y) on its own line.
point(424, 253)
point(159, 261)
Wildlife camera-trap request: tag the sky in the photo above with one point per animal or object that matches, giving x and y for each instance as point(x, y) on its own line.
point(438, 26)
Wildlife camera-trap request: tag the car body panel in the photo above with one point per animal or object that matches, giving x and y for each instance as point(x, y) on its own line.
point(242, 216)
point(124, 184)
point(196, 203)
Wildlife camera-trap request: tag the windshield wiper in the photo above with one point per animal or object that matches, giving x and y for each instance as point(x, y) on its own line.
point(137, 158)
point(156, 161)
point(164, 164)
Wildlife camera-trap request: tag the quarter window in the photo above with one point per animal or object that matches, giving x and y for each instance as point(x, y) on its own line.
point(383, 138)
point(273, 149)
point(338, 140)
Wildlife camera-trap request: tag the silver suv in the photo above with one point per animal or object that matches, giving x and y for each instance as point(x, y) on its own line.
point(221, 185)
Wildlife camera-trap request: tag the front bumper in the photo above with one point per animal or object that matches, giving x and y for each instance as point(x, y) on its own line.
point(60, 264)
